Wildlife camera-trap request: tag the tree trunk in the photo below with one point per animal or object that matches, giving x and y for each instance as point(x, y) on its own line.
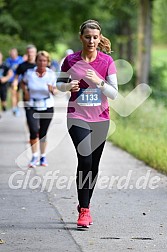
point(126, 45)
point(121, 45)
point(144, 41)
point(130, 55)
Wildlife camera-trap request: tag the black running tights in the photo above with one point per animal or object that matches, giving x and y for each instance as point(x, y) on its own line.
point(89, 140)
point(38, 126)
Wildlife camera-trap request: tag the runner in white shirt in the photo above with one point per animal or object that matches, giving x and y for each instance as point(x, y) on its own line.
point(39, 86)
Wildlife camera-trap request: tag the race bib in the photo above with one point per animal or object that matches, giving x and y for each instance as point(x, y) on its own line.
point(39, 105)
point(89, 97)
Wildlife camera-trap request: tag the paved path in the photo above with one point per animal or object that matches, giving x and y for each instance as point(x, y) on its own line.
point(41, 216)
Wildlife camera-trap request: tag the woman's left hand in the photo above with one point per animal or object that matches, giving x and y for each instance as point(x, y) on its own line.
point(91, 75)
point(52, 89)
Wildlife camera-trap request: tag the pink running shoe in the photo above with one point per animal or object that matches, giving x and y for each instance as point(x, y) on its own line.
point(90, 217)
point(83, 219)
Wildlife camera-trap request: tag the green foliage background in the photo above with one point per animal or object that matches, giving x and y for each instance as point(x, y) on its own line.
point(46, 23)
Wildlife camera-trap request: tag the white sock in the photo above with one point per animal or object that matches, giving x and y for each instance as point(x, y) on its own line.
point(43, 154)
point(35, 154)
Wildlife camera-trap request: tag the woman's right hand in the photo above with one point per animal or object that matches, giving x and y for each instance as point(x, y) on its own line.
point(74, 86)
point(26, 95)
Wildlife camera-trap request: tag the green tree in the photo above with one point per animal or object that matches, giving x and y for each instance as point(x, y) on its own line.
point(144, 41)
point(123, 23)
point(9, 31)
point(160, 22)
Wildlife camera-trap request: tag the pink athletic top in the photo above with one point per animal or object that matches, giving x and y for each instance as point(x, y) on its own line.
point(89, 104)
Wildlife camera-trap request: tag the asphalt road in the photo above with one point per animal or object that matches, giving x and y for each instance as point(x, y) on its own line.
point(38, 206)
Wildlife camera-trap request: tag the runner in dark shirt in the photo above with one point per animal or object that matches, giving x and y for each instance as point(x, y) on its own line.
point(5, 74)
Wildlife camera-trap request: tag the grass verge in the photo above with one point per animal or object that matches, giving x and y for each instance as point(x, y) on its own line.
point(144, 134)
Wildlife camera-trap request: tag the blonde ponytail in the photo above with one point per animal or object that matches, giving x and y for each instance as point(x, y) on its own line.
point(104, 45)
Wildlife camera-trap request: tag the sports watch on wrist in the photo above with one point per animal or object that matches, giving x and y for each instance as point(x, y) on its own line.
point(101, 84)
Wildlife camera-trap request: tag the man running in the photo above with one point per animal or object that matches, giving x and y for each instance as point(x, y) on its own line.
point(31, 52)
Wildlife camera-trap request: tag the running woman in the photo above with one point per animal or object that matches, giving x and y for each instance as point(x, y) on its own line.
point(90, 75)
point(39, 86)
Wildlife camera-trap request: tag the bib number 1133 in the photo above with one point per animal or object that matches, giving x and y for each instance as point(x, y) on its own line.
point(89, 97)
